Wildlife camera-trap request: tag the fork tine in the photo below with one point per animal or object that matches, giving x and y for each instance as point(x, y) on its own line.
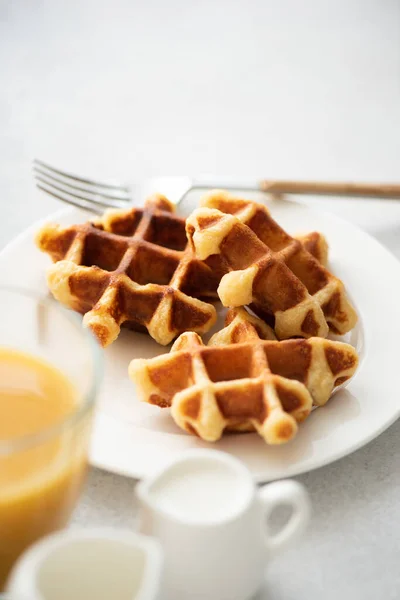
point(83, 193)
point(89, 182)
point(81, 197)
point(122, 197)
point(79, 204)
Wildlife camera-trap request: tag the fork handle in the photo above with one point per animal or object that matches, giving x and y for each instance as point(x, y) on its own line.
point(317, 188)
point(332, 188)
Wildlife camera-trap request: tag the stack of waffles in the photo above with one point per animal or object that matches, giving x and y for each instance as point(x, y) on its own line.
point(150, 270)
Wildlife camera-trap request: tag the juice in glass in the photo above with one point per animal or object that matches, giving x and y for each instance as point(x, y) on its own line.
point(45, 423)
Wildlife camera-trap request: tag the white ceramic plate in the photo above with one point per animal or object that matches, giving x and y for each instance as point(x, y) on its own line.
point(133, 439)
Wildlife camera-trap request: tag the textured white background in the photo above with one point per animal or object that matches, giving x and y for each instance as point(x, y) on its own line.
point(307, 89)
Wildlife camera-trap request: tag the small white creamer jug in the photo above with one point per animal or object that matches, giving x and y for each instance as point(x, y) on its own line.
point(213, 525)
point(94, 564)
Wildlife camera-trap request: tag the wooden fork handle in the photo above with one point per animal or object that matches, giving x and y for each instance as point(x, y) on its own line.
point(378, 190)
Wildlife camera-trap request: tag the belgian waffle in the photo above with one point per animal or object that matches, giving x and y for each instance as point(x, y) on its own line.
point(132, 267)
point(270, 269)
point(243, 382)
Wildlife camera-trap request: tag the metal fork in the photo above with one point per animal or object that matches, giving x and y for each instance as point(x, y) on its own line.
point(95, 195)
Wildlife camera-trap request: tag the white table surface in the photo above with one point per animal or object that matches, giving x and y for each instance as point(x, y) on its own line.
point(290, 89)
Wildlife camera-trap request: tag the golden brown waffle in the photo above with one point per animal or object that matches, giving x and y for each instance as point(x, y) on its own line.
point(248, 384)
point(132, 267)
point(269, 268)
point(128, 267)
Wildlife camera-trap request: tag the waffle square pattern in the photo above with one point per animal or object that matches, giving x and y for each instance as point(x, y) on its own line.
point(134, 268)
point(244, 380)
point(268, 269)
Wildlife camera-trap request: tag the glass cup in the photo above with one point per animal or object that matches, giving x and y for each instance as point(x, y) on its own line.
point(41, 474)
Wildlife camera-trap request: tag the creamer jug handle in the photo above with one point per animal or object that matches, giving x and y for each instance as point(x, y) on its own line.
point(284, 493)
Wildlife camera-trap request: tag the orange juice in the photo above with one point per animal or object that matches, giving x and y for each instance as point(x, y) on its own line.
point(42, 466)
